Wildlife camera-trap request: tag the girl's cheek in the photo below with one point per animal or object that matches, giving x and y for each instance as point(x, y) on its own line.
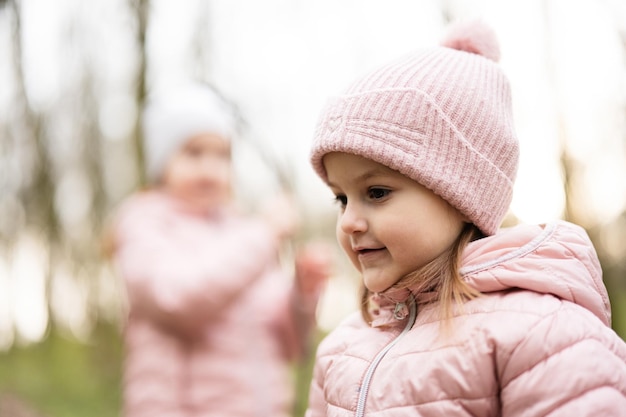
point(344, 242)
point(341, 237)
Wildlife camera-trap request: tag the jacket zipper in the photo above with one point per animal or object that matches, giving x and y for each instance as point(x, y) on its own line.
point(365, 386)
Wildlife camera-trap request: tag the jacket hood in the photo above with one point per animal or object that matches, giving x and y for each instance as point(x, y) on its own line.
point(556, 258)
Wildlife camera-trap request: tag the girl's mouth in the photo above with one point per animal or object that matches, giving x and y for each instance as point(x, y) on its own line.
point(368, 255)
point(365, 251)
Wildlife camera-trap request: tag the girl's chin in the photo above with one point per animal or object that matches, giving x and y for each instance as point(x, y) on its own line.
point(376, 286)
point(205, 207)
point(381, 279)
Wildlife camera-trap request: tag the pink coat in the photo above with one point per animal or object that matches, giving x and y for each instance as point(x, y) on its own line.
point(537, 343)
point(213, 321)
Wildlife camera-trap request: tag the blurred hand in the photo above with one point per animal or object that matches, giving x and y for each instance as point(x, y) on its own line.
point(282, 215)
point(314, 264)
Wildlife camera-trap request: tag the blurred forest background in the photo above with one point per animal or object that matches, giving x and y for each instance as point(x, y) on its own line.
point(74, 73)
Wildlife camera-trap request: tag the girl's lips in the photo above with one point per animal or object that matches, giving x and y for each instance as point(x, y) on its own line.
point(366, 255)
point(360, 251)
point(363, 249)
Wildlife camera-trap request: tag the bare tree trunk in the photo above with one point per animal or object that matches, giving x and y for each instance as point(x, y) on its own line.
point(141, 9)
point(37, 196)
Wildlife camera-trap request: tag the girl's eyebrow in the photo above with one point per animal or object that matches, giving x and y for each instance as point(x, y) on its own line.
point(374, 172)
point(370, 173)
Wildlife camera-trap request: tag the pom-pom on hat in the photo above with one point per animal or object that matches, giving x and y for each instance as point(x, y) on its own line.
point(176, 113)
point(441, 116)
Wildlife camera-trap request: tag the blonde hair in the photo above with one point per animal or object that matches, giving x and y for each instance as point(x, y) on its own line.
point(441, 276)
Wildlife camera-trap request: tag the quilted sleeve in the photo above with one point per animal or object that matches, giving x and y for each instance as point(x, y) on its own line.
point(317, 402)
point(180, 284)
point(568, 364)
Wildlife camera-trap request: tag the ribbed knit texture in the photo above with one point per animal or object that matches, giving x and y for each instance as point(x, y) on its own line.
point(440, 116)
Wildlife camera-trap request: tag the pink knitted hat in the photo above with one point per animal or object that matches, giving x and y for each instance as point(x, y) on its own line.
point(441, 116)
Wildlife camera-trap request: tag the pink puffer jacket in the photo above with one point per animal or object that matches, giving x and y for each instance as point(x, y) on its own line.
point(537, 343)
point(213, 322)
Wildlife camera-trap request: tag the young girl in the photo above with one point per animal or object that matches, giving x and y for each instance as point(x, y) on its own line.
point(458, 318)
point(213, 320)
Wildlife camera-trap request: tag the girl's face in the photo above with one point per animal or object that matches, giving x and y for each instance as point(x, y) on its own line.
point(199, 173)
point(388, 224)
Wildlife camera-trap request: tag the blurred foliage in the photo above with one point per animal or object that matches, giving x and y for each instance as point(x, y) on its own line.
point(614, 275)
point(303, 375)
point(64, 377)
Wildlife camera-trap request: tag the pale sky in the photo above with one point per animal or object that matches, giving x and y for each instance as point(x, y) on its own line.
point(281, 59)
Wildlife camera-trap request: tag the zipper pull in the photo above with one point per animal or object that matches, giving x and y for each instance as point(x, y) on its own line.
point(400, 311)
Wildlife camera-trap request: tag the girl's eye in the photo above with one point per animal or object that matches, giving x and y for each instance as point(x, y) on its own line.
point(342, 200)
point(193, 151)
point(224, 153)
point(377, 193)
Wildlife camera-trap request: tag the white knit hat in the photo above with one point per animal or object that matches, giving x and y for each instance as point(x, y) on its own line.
point(175, 114)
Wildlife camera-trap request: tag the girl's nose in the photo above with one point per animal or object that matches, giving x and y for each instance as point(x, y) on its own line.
point(352, 220)
point(214, 170)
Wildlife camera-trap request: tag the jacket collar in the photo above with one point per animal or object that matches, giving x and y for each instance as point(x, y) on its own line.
point(556, 258)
